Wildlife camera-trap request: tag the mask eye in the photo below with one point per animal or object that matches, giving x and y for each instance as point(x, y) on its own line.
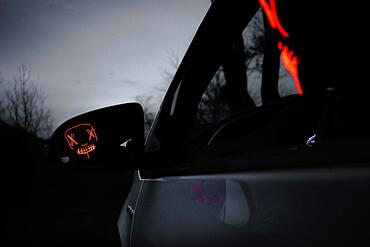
point(71, 140)
point(91, 133)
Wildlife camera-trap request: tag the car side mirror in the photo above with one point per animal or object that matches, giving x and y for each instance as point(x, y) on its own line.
point(111, 137)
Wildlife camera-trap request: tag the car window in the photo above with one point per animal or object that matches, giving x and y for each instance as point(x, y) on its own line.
point(216, 123)
point(232, 117)
point(220, 99)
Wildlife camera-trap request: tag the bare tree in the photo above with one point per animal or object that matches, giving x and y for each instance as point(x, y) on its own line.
point(24, 105)
point(215, 103)
point(1, 100)
point(254, 43)
point(212, 106)
point(151, 101)
point(242, 69)
point(147, 102)
point(169, 72)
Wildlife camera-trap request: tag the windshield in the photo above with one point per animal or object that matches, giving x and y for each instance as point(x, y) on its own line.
point(83, 55)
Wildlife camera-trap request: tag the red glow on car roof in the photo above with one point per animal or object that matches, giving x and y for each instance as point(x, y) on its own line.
point(290, 62)
point(271, 14)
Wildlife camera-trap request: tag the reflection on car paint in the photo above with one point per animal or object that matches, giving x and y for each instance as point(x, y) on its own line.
point(201, 195)
point(311, 140)
point(233, 204)
point(81, 138)
point(235, 210)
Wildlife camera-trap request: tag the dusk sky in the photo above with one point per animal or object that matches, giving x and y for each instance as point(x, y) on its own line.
point(87, 54)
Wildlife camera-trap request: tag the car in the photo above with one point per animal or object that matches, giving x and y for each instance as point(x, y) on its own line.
point(223, 167)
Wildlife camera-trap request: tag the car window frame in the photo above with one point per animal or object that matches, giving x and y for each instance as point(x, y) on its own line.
point(174, 109)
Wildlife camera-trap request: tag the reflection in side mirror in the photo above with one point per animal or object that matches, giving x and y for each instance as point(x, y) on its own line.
point(111, 137)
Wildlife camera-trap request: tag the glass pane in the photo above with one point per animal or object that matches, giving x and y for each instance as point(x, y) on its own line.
point(286, 83)
point(224, 95)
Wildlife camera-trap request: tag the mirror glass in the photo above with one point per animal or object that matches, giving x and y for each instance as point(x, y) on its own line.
point(104, 138)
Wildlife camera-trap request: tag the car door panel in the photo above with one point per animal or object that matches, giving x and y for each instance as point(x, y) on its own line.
point(293, 207)
point(126, 216)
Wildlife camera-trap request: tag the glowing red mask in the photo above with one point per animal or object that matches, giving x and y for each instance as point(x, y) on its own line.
point(82, 139)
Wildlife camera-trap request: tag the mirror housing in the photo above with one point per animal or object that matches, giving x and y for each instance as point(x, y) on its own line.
point(111, 137)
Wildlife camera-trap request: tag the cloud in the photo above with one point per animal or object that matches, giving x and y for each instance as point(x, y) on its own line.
point(79, 82)
point(59, 6)
point(129, 82)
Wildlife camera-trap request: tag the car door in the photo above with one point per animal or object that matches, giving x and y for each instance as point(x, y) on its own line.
point(216, 175)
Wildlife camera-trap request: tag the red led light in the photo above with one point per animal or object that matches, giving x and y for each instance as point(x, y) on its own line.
point(81, 139)
point(288, 58)
point(70, 140)
point(290, 62)
point(271, 14)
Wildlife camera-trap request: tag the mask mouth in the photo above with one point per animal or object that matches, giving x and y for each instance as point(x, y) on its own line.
point(87, 149)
